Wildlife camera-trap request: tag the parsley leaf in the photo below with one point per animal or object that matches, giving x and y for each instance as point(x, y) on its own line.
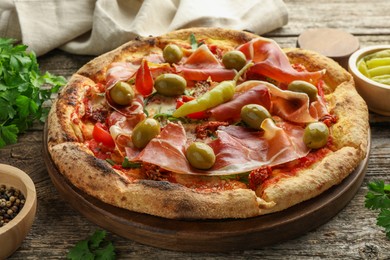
point(23, 90)
point(378, 198)
point(384, 221)
point(95, 247)
point(80, 251)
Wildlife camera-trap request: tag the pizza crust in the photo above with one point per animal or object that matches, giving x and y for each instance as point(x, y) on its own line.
point(309, 183)
point(162, 198)
point(170, 200)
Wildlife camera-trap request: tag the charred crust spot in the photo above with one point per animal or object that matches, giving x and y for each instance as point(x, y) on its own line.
point(69, 97)
point(99, 165)
point(151, 41)
point(161, 185)
point(245, 36)
point(326, 165)
point(184, 206)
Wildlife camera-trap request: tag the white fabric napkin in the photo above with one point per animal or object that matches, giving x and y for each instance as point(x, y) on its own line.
point(97, 26)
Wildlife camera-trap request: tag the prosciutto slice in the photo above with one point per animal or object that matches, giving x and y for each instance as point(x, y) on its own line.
point(291, 106)
point(120, 71)
point(271, 61)
point(202, 65)
point(237, 149)
point(230, 111)
point(121, 124)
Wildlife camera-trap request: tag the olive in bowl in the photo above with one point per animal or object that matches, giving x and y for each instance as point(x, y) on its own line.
point(370, 68)
point(16, 227)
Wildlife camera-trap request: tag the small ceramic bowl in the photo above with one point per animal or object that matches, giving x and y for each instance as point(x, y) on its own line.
point(376, 95)
point(13, 233)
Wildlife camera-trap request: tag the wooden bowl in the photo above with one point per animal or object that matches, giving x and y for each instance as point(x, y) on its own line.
point(13, 233)
point(376, 95)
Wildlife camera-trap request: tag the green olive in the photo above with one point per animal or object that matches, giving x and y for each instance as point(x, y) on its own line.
point(145, 131)
point(170, 84)
point(234, 60)
point(304, 87)
point(253, 115)
point(122, 93)
point(172, 53)
point(200, 155)
point(316, 135)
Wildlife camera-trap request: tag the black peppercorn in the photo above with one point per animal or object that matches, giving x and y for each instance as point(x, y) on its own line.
point(11, 202)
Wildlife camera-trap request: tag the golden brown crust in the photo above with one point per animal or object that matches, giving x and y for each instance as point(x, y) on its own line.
point(161, 198)
point(170, 200)
point(311, 182)
point(62, 127)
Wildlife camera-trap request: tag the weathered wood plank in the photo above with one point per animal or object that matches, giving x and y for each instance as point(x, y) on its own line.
point(357, 17)
point(352, 234)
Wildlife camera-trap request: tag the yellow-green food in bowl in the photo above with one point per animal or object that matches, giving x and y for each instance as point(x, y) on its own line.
point(376, 66)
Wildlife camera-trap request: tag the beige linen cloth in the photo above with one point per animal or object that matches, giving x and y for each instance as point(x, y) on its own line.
point(97, 26)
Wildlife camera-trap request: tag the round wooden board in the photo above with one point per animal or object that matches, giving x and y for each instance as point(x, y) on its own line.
point(210, 235)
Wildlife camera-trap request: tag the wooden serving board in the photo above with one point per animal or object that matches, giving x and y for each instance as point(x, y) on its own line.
point(210, 235)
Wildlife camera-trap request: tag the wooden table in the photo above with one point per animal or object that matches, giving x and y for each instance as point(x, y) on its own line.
point(350, 234)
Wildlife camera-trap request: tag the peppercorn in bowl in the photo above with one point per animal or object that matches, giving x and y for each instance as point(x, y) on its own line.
point(18, 203)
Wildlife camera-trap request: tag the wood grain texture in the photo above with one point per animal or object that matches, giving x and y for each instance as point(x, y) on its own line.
point(351, 234)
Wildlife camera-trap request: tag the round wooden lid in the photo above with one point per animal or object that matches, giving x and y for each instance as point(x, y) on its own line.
point(333, 43)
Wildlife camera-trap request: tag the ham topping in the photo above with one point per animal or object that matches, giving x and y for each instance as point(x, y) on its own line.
point(271, 61)
point(202, 65)
point(237, 149)
point(291, 106)
point(119, 71)
point(230, 111)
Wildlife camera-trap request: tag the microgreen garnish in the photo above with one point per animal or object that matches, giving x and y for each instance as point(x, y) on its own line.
point(242, 177)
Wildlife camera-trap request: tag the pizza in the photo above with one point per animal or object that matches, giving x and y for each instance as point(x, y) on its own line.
point(207, 123)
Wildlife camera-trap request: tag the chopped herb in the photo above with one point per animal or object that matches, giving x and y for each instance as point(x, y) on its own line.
point(95, 247)
point(242, 177)
point(110, 161)
point(23, 90)
point(131, 81)
point(128, 164)
point(194, 43)
point(165, 116)
point(378, 198)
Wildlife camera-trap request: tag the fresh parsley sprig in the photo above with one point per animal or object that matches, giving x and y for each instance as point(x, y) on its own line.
point(23, 90)
point(96, 247)
point(378, 198)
